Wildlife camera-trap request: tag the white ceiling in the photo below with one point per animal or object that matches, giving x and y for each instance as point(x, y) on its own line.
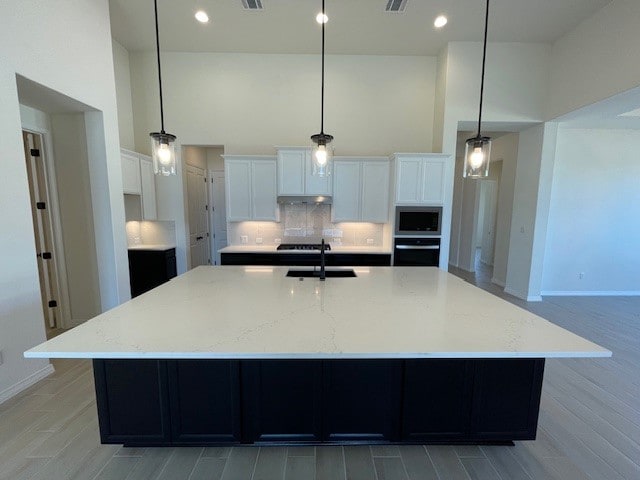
point(355, 26)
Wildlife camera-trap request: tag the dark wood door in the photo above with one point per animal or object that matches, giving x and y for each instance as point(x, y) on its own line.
point(362, 400)
point(437, 399)
point(281, 400)
point(205, 401)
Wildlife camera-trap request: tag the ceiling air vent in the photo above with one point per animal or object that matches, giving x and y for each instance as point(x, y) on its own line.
point(252, 4)
point(396, 6)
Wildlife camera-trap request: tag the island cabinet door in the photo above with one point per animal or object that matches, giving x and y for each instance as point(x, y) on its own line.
point(362, 400)
point(205, 401)
point(507, 398)
point(281, 400)
point(437, 399)
point(132, 401)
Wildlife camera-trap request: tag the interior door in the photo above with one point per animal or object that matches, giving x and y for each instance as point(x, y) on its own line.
point(197, 199)
point(488, 195)
point(42, 225)
point(218, 213)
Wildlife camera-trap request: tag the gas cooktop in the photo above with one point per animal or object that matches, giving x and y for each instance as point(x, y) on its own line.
point(302, 246)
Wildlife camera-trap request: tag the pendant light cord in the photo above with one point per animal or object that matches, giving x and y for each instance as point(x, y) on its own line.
point(484, 58)
point(155, 4)
point(322, 86)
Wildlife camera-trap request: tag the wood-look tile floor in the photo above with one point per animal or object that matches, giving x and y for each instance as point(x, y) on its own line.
point(589, 425)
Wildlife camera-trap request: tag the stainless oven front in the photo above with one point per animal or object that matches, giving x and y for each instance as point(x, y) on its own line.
point(418, 221)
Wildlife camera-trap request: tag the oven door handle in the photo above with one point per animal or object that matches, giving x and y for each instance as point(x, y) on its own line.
point(417, 247)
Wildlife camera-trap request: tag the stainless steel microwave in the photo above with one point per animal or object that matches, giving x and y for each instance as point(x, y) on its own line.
point(418, 220)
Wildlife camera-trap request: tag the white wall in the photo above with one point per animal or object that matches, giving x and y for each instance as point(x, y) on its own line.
point(123, 95)
point(593, 220)
point(76, 216)
point(505, 151)
point(71, 55)
point(374, 105)
point(595, 60)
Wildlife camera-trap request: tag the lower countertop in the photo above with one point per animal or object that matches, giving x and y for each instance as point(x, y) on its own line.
point(260, 313)
point(344, 249)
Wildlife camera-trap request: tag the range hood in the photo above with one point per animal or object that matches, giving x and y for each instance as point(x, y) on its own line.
point(304, 200)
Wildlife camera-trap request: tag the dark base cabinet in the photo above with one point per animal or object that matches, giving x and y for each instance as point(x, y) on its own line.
point(307, 259)
point(214, 402)
point(150, 268)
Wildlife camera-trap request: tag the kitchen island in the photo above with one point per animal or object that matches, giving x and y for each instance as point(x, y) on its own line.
point(226, 355)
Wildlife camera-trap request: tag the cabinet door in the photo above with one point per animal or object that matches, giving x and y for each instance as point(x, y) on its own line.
point(281, 400)
point(238, 190)
point(264, 204)
point(291, 166)
point(315, 185)
point(132, 398)
point(375, 192)
point(205, 401)
point(148, 184)
point(362, 400)
point(433, 181)
point(408, 180)
point(346, 192)
point(130, 174)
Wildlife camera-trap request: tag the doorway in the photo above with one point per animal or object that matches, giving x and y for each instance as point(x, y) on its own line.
point(46, 251)
point(487, 220)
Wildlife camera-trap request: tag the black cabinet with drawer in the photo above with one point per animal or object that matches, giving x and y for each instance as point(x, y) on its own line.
point(150, 268)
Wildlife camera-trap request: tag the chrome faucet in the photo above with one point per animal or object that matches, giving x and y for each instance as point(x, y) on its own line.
point(322, 272)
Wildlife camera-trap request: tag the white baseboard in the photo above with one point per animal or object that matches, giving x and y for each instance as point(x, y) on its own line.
point(23, 384)
point(534, 298)
point(500, 283)
point(592, 293)
point(514, 293)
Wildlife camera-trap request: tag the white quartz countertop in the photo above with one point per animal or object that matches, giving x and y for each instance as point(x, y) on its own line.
point(259, 313)
point(155, 247)
point(334, 249)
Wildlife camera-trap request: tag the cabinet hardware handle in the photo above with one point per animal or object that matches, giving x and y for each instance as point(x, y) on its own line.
point(417, 247)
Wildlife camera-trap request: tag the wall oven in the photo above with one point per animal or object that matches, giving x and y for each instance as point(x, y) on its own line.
point(416, 252)
point(418, 220)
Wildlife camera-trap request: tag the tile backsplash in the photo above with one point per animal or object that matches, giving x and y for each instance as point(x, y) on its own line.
point(306, 224)
point(150, 233)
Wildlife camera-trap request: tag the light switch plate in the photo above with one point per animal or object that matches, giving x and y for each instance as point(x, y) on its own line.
point(1, 358)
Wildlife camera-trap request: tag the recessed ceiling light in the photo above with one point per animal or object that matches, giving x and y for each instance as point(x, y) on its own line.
point(440, 21)
point(202, 16)
point(322, 18)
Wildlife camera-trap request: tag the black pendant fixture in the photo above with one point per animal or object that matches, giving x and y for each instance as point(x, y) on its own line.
point(321, 153)
point(162, 147)
point(478, 149)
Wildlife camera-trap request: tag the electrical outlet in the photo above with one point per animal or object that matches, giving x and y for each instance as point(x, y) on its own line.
point(258, 240)
point(581, 275)
point(244, 239)
point(521, 229)
point(369, 241)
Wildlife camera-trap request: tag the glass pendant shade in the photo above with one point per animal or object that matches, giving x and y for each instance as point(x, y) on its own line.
point(321, 155)
point(163, 153)
point(477, 155)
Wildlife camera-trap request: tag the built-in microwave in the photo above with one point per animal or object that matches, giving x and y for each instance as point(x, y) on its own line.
point(418, 220)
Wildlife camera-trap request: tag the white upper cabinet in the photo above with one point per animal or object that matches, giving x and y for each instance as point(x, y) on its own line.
point(295, 173)
point(148, 188)
point(360, 190)
point(138, 179)
point(420, 179)
point(250, 188)
point(130, 173)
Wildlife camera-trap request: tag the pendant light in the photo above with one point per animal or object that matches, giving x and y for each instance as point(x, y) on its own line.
point(162, 147)
point(478, 149)
point(321, 153)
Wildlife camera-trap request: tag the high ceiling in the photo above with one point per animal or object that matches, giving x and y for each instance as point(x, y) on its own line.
point(355, 26)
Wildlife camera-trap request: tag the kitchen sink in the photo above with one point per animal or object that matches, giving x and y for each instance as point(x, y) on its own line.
point(344, 273)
